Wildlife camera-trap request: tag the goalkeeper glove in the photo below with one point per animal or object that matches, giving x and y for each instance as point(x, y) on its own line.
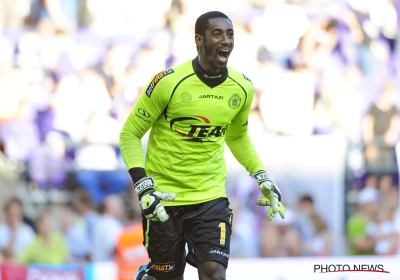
point(150, 200)
point(272, 195)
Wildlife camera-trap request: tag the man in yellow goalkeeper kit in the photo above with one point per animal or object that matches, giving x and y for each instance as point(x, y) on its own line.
point(192, 110)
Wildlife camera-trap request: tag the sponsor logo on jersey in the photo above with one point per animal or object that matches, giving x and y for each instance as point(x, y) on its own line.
point(143, 115)
point(219, 253)
point(156, 79)
point(212, 77)
point(234, 101)
point(186, 97)
point(200, 131)
point(211, 96)
point(163, 267)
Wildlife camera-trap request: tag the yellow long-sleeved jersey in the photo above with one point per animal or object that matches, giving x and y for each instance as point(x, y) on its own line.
point(190, 119)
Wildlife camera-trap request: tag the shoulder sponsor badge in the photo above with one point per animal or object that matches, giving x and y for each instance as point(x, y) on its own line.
point(156, 79)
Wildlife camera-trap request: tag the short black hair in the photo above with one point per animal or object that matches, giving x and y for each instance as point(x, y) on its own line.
point(307, 198)
point(202, 21)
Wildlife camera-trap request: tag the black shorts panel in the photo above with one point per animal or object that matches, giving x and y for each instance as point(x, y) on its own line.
point(165, 247)
point(208, 234)
point(205, 227)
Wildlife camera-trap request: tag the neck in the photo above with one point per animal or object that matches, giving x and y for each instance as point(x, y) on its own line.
point(45, 236)
point(210, 79)
point(365, 214)
point(383, 105)
point(208, 69)
point(13, 224)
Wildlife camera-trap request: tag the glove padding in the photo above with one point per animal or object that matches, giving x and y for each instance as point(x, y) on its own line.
point(150, 200)
point(272, 195)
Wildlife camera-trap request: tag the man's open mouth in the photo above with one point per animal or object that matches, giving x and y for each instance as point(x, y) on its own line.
point(223, 55)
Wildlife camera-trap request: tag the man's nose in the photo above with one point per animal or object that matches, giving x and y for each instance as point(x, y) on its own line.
point(225, 40)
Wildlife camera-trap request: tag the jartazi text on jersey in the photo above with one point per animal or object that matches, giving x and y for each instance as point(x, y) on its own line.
point(211, 96)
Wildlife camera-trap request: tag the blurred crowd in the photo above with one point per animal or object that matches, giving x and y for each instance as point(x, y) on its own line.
point(70, 72)
point(77, 234)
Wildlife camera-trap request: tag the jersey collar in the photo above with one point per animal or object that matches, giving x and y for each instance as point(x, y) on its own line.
point(210, 80)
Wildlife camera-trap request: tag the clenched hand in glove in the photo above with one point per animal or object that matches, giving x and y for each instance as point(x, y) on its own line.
point(271, 193)
point(150, 199)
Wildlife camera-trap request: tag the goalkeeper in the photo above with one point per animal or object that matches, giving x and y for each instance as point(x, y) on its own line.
point(192, 110)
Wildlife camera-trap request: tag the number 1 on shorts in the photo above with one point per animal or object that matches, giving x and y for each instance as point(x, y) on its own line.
point(223, 232)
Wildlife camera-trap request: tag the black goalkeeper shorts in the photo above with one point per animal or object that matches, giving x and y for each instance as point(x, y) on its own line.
point(206, 228)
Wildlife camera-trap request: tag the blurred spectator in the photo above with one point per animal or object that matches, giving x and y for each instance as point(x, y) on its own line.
point(381, 131)
point(130, 252)
point(75, 235)
point(371, 181)
point(113, 68)
point(20, 135)
point(107, 229)
point(84, 206)
point(304, 224)
point(383, 231)
point(100, 137)
point(15, 235)
point(388, 191)
point(244, 238)
point(48, 247)
point(92, 94)
point(317, 239)
point(279, 237)
point(47, 164)
point(357, 227)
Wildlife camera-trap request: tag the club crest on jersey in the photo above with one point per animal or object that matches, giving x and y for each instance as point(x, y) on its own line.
point(186, 97)
point(156, 79)
point(234, 101)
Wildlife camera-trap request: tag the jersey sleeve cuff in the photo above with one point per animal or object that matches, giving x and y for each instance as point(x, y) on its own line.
point(137, 173)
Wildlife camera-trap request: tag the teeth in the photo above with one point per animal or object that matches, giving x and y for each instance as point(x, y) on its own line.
point(224, 51)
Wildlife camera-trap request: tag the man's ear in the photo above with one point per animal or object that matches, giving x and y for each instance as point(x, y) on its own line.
point(198, 39)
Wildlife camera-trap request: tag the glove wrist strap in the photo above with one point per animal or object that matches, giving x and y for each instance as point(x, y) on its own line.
point(260, 176)
point(144, 185)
